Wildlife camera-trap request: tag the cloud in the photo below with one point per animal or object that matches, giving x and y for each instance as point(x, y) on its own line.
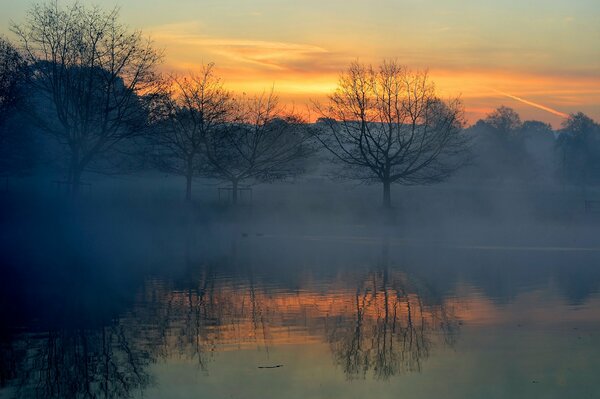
point(304, 69)
point(184, 40)
point(277, 55)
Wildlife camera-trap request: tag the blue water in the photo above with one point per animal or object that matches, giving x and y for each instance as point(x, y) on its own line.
point(247, 314)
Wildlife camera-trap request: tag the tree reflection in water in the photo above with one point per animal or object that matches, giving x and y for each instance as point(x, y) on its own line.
point(391, 330)
point(82, 361)
point(385, 327)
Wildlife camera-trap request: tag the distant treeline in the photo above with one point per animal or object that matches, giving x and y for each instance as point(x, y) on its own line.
point(80, 93)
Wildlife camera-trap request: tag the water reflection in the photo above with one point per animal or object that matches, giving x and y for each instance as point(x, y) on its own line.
point(390, 330)
point(83, 362)
point(379, 311)
point(383, 326)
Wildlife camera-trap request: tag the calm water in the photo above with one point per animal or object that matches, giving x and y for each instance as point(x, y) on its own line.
point(258, 316)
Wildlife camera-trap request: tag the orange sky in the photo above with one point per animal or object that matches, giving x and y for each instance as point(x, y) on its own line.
point(540, 57)
point(545, 65)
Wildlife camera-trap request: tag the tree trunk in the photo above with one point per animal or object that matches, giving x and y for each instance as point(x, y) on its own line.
point(234, 192)
point(387, 198)
point(189, 174)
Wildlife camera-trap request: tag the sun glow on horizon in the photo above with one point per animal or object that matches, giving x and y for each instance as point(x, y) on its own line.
point(301, 73)
point(548, 62)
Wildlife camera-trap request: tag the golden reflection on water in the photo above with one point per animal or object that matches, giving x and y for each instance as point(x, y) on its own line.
point(371, 322)
point(384, 326)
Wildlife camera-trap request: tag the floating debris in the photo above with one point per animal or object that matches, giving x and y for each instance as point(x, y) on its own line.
point(271, 367)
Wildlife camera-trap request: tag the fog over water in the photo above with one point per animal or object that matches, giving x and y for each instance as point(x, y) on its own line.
point(164, 236)
point(109, 299)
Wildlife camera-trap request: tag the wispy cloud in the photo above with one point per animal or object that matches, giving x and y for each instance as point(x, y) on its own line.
point(304, 67)
point(276, 55)
point(272, 55)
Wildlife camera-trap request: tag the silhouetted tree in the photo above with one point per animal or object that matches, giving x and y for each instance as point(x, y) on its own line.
point(540, 144)
point(579, 147)
point(16, 154)
point(12, 76)
point(195, 107)
point(262, 144)
point(505, 120)
point(387, 125)
point(537, 128)
point(506, 128)
point(501, 145)
point(89, 70)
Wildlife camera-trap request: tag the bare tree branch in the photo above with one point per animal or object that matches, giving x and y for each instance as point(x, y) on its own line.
point(387, 125)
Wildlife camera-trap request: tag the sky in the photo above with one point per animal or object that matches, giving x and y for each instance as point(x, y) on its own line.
point(541, 57)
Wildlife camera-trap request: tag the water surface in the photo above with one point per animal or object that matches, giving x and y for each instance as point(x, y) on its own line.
point(254, 315)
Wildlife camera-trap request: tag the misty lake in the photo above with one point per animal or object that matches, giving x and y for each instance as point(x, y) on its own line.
point(299, 199)
point(234, 312)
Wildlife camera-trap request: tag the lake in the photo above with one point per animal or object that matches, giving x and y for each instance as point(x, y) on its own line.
point(250, 313)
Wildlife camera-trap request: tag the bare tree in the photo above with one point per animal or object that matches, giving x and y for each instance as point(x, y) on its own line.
point(387, 125)
point(15, 143)
point(263, 143)
point(194, 107)
point(89, 71)
point(12, 75)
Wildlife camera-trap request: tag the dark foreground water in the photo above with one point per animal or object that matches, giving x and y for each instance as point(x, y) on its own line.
point(247, 314)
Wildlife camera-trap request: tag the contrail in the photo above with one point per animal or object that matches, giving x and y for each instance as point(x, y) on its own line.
point(536, 105)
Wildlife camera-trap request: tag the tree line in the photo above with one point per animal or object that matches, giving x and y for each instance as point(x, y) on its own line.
point(80, 83)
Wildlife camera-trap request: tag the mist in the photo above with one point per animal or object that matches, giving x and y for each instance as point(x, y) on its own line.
point(162, 235)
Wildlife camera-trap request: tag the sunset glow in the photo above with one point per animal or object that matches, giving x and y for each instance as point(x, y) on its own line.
point(264, 199)
point(543, 53)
